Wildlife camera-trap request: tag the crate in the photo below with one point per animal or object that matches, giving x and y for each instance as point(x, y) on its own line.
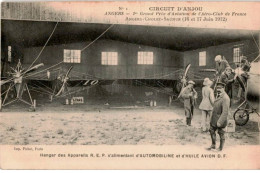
point(231, 126)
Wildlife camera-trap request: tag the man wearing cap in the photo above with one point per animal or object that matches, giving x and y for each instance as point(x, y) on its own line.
point(221, 64)
point(227, 78)
point(245, 66)
point(189, 95)
point(219, 117)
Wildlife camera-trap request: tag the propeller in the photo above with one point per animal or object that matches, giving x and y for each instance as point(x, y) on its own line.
point(65, 79)
point(184, 78)
point(34, 68)
point(19, 70)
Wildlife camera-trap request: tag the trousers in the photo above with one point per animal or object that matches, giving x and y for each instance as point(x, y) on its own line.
point(205, 119)
point(189, 114)
point(221, 133)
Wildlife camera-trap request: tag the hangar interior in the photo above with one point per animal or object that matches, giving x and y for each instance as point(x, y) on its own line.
point(119, 57)
point(95, 83)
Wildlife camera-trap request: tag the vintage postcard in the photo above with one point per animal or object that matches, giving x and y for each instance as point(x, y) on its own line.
point(130, 85)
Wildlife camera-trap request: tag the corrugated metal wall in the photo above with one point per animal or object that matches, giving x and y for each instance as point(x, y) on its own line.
point(51, 11)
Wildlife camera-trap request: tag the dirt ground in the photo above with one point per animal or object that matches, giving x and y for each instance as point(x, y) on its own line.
point(112, 120)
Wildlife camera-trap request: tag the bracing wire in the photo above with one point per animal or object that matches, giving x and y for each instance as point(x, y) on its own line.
point(97, 37)
point(42, 48)
point(255, 41)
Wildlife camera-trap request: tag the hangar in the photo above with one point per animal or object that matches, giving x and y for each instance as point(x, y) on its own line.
point(124, 65)
point(125, 53)
point(121, 55)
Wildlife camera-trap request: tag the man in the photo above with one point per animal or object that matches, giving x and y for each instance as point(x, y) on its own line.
point(227, 78)
point(221, 64)
point(189, 95)
point(219, 116)
point(242, 75)
point(245, 66)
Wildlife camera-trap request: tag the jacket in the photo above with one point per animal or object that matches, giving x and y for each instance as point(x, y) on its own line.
point(207, 99)
point(221, 66)
point(245, 66)
point(188, 100)
point(228, 80)
point(220, 111)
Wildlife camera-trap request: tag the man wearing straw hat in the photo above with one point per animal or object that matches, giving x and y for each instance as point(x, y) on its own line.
point(189, 95)
point(206, 105)
point(219, 117)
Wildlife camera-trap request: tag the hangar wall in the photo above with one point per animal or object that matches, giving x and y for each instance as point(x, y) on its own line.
point(165, 61)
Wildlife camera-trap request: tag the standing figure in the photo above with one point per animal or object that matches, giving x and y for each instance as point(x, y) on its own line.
point(206, 105)
point(228, 79)
point(219, 117)
point(189, 95)
point(242, 76)
point(245, 66)
point(221, 65)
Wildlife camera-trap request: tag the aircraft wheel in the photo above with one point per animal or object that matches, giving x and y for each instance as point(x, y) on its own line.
point(241, 117)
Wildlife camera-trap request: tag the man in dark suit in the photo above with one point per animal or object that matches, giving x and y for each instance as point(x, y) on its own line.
point(228, 79)
point(219, 116)
point(245, 66)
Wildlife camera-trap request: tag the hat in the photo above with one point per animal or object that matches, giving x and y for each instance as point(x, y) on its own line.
point(243, 57)
point(220, 85)
point(207, 81)
point(191, 82)
point(218, 58)
point(228, 68)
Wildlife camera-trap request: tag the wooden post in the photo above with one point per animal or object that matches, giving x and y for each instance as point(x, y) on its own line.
point(239, 93)
point(48, 74)
point(34, 104)
point(170, 100)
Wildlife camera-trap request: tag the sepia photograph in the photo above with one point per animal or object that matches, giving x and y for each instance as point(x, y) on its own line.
point(69, 78)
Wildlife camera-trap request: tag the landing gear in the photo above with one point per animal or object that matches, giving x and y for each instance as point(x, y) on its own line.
point(18, 86)
point(19, 89)
point(241, 115)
